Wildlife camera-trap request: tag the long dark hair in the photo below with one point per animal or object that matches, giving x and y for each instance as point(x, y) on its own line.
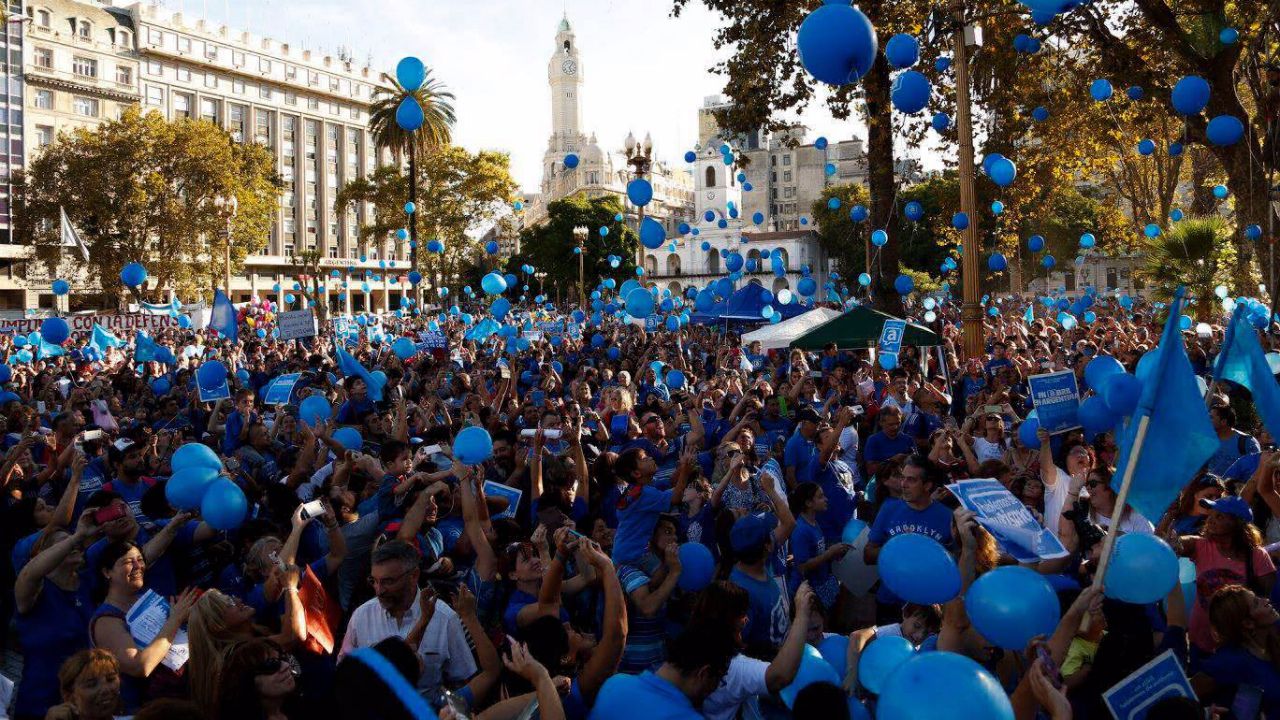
point(238, 694)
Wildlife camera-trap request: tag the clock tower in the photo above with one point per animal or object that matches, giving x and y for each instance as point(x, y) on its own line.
point(564, 73)
point(716, 183)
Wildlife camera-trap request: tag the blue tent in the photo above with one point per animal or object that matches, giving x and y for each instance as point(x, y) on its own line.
point(747, 302)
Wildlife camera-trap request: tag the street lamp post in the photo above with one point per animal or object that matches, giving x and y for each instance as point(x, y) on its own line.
point(230, 206)
point(640, 158)
point(580, 238)
point(971, 311)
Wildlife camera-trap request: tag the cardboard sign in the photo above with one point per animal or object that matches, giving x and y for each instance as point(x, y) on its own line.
point(280, 389)
point(1008, 520)
point(1132, 697)
point(297, 324)
point(433, 339)
point(511, 494)
point(1057, 400)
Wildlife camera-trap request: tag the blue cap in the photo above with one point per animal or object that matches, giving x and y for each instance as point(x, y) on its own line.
point(751, 531)
point(1229, 504)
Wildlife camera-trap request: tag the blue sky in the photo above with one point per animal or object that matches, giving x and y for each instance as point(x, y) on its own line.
point(644, 70)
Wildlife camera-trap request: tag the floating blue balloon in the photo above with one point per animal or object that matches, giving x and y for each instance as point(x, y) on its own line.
point(349, 437)
point(493, 284)
point(639, 303)
point(409, 114)
point(1040, 114)
point(55, 330)
point(910, 92)
point(1002, 171)
point(1221, 192)
point(864, 279)
point(1035, 243)
point(1121, 392)
point(61, 287)
point(807, 287)
point(833, 203)
point(837, 44)
point(997, 207)
point(690, 156)
point(940, 121)
point(224, 506)
point(858, 213)
point(960, 220)
point(1048, 261)
point(410, 73)
point(1146, 146)
point(1190, 95)
point(1134, 92)
point(133, 274)
point(997, 263)
point(639, 192)
point(902, 51)
point(1100, 90)
point(1228, 36)
point(1224, 130)
point(913, 211)
point(904, 284)
point(571, 161)
point(879, 238)
point(652, 234)
point(1253, 231)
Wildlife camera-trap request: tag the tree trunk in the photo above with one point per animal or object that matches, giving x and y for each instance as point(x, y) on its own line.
point(880, 180)
point(1202, 200)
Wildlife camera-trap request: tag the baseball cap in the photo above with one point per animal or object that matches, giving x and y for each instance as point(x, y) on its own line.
point(1229, 504)
point(751, 531)
point(808, 414)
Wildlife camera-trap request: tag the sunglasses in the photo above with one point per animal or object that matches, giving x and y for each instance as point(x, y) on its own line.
point(273, 665)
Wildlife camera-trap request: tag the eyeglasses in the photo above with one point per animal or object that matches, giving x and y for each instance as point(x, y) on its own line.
point(523, 549)
point(1094, 483)
point(273, 665)
point(376, 583)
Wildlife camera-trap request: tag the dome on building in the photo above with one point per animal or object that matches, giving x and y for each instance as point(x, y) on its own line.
point(564, 24)
point(592, 154)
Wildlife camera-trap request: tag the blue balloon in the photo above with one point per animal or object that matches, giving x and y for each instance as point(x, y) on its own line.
point(1099, 369)
point(960, 220)
point(404, 348)
point(690, 156)
point(942, 64)
point(1253, 231)
point(493, 284)
point(940, 122)
point(639, 192)
point(1224, 130)
point(880, 658)
point(639, 303)
point(1087, 240)
point(1121, 392)
point(807, 287)
point(1146, 146)
point(224, 505)
point(133, 274)
point(1228, 36)
point(1143, 569)
point(812, 669)
point(697, 567)
point(652, 234)
point(61, 287)
point(1134, 92)
point(997, 207)
point(1027, 433)
point(837, 44)
point(1002, 172)
point(1048, 261)
point(1175, 149)
point(409, 114)
point(676, 380)
point(349, 438)
point(910, 92)
point(1221, 192)
point(858, 213)
point(918, 569)
point(211, 374)
point(473, 445)
point(912, 691)
point(1100, 90)
point(1040, 114)
point(1011, 605)
point(54, 330)
point(913, 211)
point(879, 238)
point(1094, 416)
point(733, 262)
point(997, 263)
point(835, 650)
point(1035, 243)
point(571, 161)
point(410, 73)
point(195, 455)
point(1021, 41)
point(186, 487)
point(864, 279)
point(314, 410)
point(902, 51)
point(1190, 95)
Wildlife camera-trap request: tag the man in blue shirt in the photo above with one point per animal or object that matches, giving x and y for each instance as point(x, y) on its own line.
point(767, 615)
point(801, 447)
point(888, 442)
point(697, 661)
point(915, 512)
point(1233, 444)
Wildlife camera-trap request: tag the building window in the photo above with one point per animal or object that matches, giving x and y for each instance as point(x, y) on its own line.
point(264, 65)
point(237, 127)
point(154, 68)
point(786, 176)
point(264, 92)
point(181, 105)
point(124, 75)
point(155, 96)
point(290, 98)
point(123, 38)
point(209, 110)
point(184, 74)
point(44, 135)
point(155, 37)
point(42, 18)
point(211, 51)
point(210, 80)
point(334, 108)
point(237, 58)
point(85, 67)
point(313, 103)
point(786, 159)
point(184, 44)
point(711, 177)
point(44, 58)
point(87, 107)
point(262, 127)
point(313, 77)
point(44, 99)
point(84, 30)
point(237, 87)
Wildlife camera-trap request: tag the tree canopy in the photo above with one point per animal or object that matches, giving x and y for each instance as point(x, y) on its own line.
point(548, 245)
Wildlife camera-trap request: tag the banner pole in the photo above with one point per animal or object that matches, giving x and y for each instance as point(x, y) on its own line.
point(1117, 515)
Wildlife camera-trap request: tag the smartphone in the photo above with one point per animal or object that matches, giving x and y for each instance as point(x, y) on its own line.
point(431, 450)
point(992, 409)
point(504, 372)
point(41, 407)
point(1050, 667)
point(312, 509)
point(93, 434)
point(102, 516)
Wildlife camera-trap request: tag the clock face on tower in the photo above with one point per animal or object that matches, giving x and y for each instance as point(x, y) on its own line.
point(569, 67)
point(711, 194)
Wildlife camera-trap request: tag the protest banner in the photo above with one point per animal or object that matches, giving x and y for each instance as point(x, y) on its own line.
point(297, 324)
point(84, 323)
point(1132, 698)
point(280, 389)
point(493, 489)
point(1008, 520)
point(1056, 398)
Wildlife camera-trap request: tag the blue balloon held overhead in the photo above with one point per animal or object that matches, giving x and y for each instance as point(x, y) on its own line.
point(404, 348)
point(639, 192)
point(837, 44)
point(224, 505)
point(473, 445)
point(571, 161)
point(910, 92)
point(1190, 95)
point(187, 486)
point(61, 287)
point(1224, 130)
point(1121, 392)
point(410, 73)
point(1011, 605)
point(652, 234)
point(902, 51)
point(409, 114)
point(1100, 89)
point(940, 122)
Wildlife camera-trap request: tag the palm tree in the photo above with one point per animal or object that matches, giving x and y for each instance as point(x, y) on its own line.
point(436, 130)
point(1196, 252)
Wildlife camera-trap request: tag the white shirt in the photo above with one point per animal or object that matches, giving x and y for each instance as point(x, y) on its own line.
point(1134, 522)
point(986, 450)
point(1055, 500)
point(849, 447)
point(444, 649)
point(746, 678)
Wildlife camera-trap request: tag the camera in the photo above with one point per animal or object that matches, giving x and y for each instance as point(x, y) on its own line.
point(1089, 532)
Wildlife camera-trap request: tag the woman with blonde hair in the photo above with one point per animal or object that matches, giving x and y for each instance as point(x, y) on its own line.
point(90, 686)
point(1244, 625)
point(218, 623)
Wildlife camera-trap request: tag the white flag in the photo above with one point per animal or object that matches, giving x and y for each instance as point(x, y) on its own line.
point(71, 238)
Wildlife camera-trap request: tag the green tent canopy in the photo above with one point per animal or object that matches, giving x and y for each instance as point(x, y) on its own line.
point(860, 328)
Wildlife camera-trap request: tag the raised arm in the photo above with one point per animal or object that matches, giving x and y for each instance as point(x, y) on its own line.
point(786, 663)
point(112, 634)
point(27, 587)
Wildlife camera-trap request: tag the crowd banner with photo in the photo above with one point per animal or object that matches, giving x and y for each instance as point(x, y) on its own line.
point(85, 323)
point(1132, 698)
point(1056, 398)
point(297, 324)
point(493, 489)
point(1008, 520)
point(280, 389)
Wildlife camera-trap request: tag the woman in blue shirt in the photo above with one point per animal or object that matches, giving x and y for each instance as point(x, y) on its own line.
point(835, 477)
point(54, 608)
point(813, 557)
point(1249, 653)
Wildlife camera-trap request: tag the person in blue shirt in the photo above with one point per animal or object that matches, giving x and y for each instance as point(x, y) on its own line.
point(812, 555)
point(238, 422)
point(914, 512)
point(357, 404)
point(800, 447)
point(890, 441)
point(1233, 444)
point(831, 473)
point(753, 539)
point(1245, 625)
point(697, 661)
point(640, 506)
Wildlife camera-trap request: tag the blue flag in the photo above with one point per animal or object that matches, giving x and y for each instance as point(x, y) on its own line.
point(349, 366)
point(144, 348)
point(48, 350)
point(103, 339)
point(1180, 438)
point(223, 317)
point(1243, 362)
point(1029, 315)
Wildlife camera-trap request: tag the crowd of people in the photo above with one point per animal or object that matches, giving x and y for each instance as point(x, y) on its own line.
point(378, 571)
